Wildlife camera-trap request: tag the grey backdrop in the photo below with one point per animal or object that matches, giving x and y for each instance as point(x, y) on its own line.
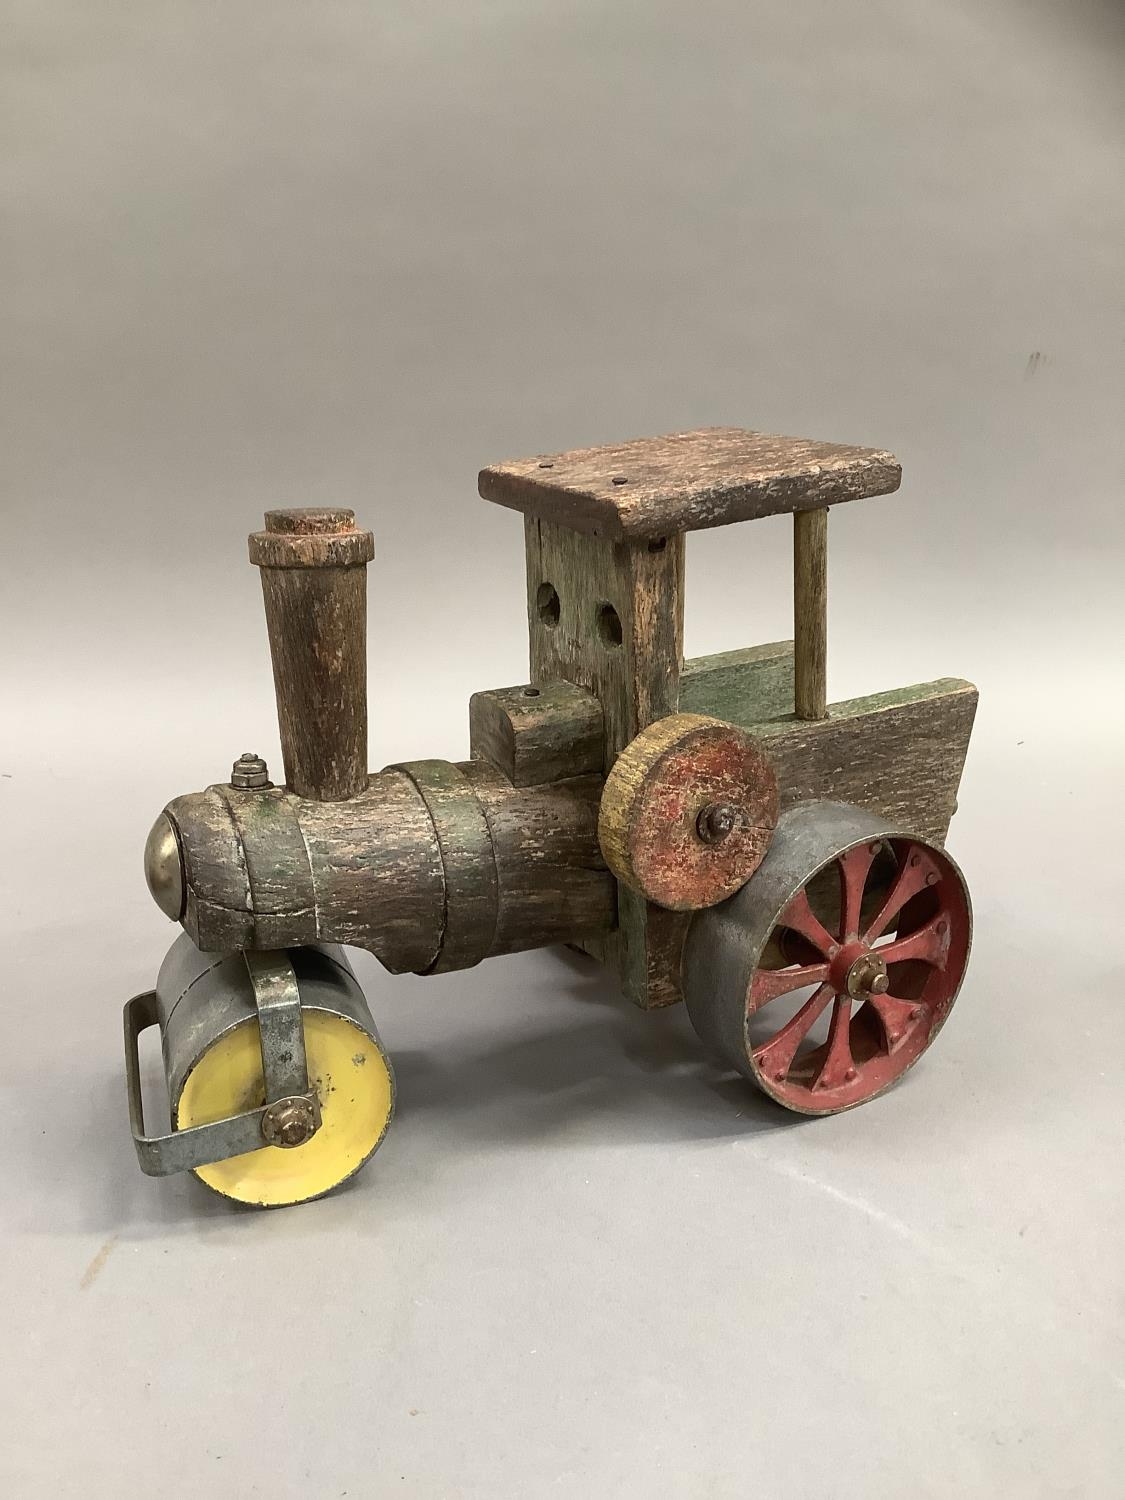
point(287, 254)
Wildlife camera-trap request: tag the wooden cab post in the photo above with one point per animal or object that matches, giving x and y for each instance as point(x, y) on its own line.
point(810, 613)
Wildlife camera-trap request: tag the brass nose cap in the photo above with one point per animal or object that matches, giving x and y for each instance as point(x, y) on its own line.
point(164, 867)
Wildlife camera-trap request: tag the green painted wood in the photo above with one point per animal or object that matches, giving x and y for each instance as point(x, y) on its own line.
point(471, 894)
point(609, 617)
point(433, 867)
point(267, 869)
point(743, 687)
point(553, 883)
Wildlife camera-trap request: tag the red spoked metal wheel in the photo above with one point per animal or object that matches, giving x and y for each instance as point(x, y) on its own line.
point(832, 970)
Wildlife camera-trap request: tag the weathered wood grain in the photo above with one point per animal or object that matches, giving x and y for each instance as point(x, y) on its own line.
point(619, 631)
point(810, 613)
point(658, 796)
point(610, 618)
point(314, 584)
point(686, 481)
point(645, 950)
point(471, 896)
point(432, 867)
point(899, 753)
point(377, 872)
point(742, 687)
point(278, 882)
point(553, 883)
point(267, 869)
point(538, 734)
point(218, 905)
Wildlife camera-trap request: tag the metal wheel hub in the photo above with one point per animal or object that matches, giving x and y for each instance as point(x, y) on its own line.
point(289, 1122)
point(859, 971)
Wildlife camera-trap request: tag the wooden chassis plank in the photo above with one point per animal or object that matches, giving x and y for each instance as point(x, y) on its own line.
point(899, 753)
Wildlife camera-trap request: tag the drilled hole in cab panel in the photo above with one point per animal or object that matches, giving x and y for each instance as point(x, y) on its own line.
point(609, 625)
point(547, 603)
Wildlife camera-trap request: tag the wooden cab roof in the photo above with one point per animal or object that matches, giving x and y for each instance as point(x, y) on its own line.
point(687, 481)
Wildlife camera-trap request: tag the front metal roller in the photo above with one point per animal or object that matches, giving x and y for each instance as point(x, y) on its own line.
point(834, 967)
point(278, 1085)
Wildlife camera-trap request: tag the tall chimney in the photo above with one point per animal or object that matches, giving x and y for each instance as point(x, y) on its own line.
point(314, 582)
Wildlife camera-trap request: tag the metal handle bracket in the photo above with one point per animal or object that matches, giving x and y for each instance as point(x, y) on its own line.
point(291, 1112)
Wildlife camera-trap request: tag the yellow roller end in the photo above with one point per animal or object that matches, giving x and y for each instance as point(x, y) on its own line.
point(356, 1090)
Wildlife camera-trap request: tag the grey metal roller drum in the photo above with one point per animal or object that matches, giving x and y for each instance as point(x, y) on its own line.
point(202, 998)
point(220, 996)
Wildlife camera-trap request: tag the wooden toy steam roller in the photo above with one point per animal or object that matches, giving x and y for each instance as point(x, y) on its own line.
point(710, 830)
